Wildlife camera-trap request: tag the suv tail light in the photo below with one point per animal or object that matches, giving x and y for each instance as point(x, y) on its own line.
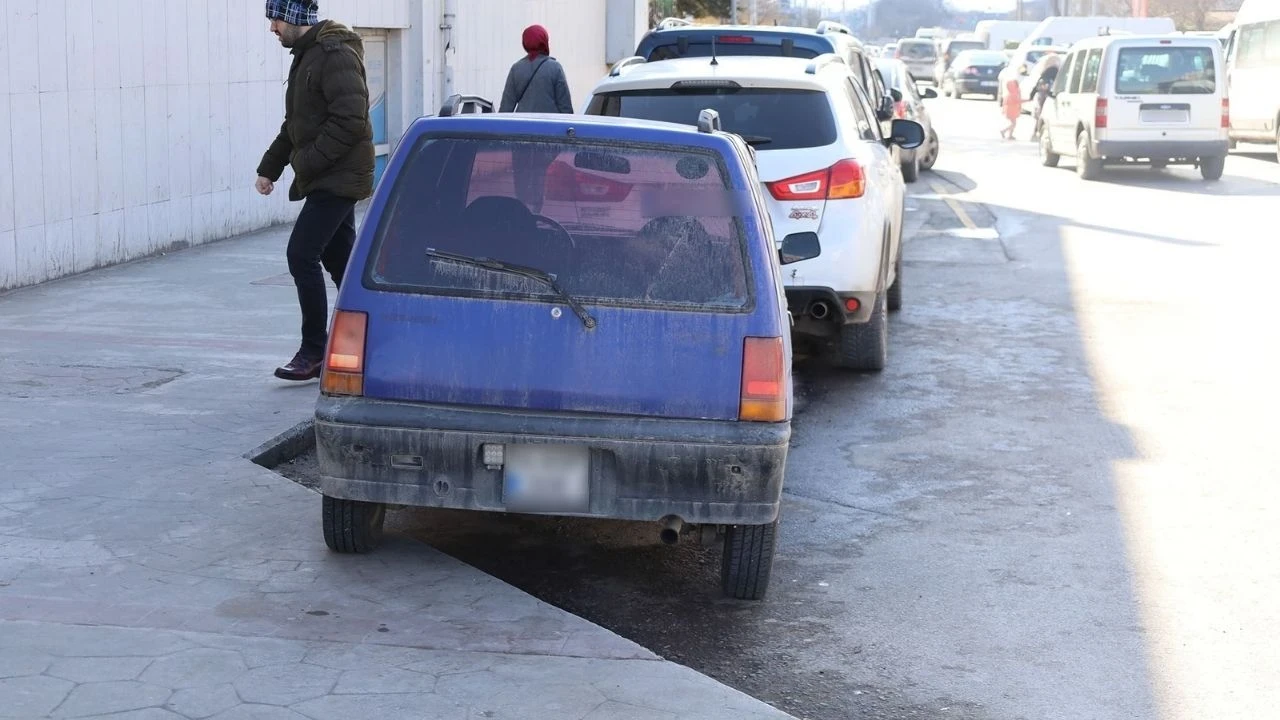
point(343, 372)
point(764, 381)
point(1226, 113)
point(843, 180)
point(1100, 114)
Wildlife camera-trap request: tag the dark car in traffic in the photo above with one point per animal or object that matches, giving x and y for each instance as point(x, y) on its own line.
point(974, 72)
point(909, 105)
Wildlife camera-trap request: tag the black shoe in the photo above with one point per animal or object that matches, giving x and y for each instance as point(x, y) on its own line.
point(300, 368)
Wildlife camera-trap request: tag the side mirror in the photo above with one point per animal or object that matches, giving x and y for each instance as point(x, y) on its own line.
point(906, 134)
point(799, 246)
point(929, 94)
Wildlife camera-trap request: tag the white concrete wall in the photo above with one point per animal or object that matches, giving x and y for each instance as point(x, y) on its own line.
point(128, 127)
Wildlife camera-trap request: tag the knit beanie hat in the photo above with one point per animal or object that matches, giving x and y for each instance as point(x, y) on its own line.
point(294, 12)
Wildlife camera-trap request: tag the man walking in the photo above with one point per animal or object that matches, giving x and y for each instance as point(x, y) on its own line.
point(328, 139)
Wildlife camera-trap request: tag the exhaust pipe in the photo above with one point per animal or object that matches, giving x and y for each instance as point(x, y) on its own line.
point(671, 526)
point(820, 310)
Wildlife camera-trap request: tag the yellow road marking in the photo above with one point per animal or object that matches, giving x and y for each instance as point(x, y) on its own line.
point(955, 206)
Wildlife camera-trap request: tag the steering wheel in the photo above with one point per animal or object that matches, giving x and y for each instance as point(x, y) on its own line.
point(544, 220)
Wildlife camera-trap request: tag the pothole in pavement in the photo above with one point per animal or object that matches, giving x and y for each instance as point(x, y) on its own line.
point(40, 381)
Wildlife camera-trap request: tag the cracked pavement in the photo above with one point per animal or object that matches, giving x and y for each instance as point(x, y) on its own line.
point(148, 570)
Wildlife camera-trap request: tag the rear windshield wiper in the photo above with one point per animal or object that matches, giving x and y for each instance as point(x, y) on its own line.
point(532, 273)
point(756, 139)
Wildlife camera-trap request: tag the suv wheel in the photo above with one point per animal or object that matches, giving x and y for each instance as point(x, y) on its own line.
point(894, 296)
point(352, 526)
point(866, 346)
point(1211, 167)
point(748, 560)
point(1087, 166)
point(1048, 157)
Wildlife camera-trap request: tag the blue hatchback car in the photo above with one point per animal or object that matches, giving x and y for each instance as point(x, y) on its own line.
point(564, 315)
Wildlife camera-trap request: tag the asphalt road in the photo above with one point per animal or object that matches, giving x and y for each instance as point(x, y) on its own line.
point(1059, 500)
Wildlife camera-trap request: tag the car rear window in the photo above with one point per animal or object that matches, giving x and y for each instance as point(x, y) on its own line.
point(771, 119)
point(730, 44)
point(625, 225)
point(1166, 71)
point(917, 50)
point(981, 58)
point(958, 46)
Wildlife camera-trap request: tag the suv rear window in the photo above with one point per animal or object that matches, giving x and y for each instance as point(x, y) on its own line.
point(613, 225)
point(731, 43)
point(770, 119)
point(917, 50)
point(1166, 71)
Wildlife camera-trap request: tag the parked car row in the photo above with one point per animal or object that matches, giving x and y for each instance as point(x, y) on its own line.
point(594, 315)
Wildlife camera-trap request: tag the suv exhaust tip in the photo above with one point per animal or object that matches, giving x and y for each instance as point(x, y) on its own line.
point(820, 310)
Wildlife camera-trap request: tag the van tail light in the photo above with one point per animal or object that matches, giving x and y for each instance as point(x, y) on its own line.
point(843, 180)
point(900, 109)
point(764, 381)
point(1226, 113)
point(1100, 114)
point(343, 372)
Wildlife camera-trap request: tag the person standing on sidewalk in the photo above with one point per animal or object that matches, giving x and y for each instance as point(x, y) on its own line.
point(535, 84)
point(328, 140)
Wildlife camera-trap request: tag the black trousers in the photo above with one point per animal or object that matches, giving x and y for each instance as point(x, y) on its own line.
point(323, 235)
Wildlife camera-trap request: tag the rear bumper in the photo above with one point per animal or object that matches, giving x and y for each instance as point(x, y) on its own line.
point(1159, 149)
point(801, 301)
point(715, 472)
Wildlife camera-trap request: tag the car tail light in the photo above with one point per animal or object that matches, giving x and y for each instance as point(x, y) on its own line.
point(843, 180)
point(1226, 113)
point(343, 372)
point(1100, 114)
point(564, 183)
point(764, 381)
point(900, 109)
point(971, 71)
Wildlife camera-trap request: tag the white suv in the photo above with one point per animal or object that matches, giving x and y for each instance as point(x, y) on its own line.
point(827, 168)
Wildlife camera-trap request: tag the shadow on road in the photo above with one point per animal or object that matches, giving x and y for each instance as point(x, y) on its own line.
point(951, 540)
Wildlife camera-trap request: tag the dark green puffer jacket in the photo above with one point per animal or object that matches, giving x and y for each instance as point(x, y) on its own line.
point(326, 135)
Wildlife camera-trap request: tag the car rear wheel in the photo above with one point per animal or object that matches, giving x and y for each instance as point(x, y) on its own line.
point(931, 148)
point(1087, 166)
point(866, 346)
point(352, 526)
point(1048, 157)
point(911, 170)
point(894, 296)
point(748, 560)
point(1211, 167)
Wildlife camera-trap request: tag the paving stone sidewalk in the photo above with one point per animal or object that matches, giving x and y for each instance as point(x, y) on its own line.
point(147, 570)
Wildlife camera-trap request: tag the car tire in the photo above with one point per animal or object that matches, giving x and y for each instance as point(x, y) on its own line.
point(911, 170)
point(352, 526)
point(865, 346)
point(1087, 166)
point(1048, 157)
point(1159, 164)
point(932, 148)
point(1211, 167)
point(748, 560)
point(893, 297)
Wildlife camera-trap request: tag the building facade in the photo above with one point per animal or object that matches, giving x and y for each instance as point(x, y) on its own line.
point(129, 127)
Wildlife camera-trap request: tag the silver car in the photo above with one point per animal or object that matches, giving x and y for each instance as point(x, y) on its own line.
point(920, 56)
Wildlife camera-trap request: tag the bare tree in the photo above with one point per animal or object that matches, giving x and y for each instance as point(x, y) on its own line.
point(1188, 14)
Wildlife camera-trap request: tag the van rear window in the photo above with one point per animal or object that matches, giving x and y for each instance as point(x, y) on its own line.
point(770, 119)
point(1166, 71)
point(613, 224)
point(917, 50)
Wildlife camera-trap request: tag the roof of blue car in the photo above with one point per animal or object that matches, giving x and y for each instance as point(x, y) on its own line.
point(551, 124)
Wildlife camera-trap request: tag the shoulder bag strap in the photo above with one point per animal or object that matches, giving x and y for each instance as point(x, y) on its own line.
point(529, 82)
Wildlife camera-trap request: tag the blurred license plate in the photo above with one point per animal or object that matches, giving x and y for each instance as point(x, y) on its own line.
point(988, 83)
point(546, 478)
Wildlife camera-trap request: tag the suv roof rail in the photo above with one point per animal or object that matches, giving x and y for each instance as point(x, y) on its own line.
point(822, 61)
point(458, 104)
point(673, 22)
point(831, 26)
point(708, 121)
point(625, 63)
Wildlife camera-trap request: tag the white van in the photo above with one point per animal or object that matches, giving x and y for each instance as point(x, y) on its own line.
point(1253, 73)
point(1155, 100)
point(1004, 34)
point(1071, 30)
